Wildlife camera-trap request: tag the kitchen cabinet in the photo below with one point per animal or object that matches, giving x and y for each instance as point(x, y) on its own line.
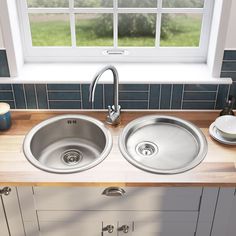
point(3, 220)
point(134, 211)
point(225, 215)
point(11, 223)
point(63, 211)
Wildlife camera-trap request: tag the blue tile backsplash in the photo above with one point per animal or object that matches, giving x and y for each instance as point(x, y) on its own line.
point(131, 96)
point(146, 96)
point(229, 70)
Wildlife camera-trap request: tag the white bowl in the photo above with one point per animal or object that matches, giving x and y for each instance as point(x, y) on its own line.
point(226, 125)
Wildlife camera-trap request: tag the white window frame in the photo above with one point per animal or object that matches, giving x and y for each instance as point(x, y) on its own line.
point(130, 54)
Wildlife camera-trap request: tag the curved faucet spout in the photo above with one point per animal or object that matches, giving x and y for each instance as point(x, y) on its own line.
point(114, 110)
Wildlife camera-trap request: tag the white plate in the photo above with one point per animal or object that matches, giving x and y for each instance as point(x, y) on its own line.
point(216, 135)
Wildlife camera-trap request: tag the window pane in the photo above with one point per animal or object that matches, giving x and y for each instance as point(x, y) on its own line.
point(137, 3)
point(183, 3)
point(48, 3)
point(137, 30)
point(50, 29)
point(180, 30)
point(93, 3)
point(94, 29)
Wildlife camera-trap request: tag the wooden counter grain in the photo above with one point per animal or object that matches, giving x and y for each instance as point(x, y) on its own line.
point(217, 169)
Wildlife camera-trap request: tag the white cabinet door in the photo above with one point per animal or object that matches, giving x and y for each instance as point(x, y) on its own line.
point(225, 215)
point(72, 223)
point(165, 223)
point(3, 220)
point(13, 214)
point(91, 223)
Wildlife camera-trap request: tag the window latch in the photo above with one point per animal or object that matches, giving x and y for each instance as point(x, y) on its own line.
point(115, 52)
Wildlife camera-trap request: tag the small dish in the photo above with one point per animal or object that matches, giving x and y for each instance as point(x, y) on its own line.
point(215, 134)
point(226, 126)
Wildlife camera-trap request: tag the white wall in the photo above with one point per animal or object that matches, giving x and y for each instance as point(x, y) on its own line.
point(1, 40)
point(231, 36)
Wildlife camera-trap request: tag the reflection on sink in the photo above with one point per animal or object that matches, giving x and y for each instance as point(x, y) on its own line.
point(163, 144)
point(67, 144)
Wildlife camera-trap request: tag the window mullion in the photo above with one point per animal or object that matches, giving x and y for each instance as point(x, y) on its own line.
point(27, 30)
point(48, 10)
point(72, 23)
point(115, 23)
point(137, 10)
point(206, 19)
point(158, 23)
point(182, 10)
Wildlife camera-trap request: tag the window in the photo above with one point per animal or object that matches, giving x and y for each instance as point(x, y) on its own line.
point(115, 30)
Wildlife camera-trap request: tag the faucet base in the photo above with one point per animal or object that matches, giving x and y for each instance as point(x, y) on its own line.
point(113, 117)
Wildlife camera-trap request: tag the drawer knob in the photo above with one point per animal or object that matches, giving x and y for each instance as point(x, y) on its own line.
point(109, 229)
point(5, 191)
point(124, 229)
point(114, 192)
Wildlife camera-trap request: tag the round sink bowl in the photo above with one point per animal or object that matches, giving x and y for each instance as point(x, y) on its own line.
point(67, 144)
point(163, 144)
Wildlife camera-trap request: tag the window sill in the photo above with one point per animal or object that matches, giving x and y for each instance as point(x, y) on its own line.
point(129, 73)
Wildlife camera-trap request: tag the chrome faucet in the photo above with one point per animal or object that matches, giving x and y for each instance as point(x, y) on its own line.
point(113, 117)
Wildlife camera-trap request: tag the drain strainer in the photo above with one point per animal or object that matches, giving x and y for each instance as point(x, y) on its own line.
point(71, 157)
point(147, 149)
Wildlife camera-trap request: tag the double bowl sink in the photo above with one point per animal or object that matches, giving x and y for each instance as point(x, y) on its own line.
point(74, 143)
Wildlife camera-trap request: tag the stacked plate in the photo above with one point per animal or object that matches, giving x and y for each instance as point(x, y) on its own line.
point(224, 129)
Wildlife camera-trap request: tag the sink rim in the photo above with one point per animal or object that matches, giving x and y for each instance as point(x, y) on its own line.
point(29, 136)
point(203, 144)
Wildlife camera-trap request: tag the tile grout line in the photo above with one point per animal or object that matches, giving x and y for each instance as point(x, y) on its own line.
point(9, 100)
point(216, 98)
point(160, 91)
point(69, 100)
point(171, 96)
point(229, 88)
point(149, 93)
point(188, 91)
point(47, 96)
point(228, 71)
point(103, 96)
point(14, 97)
point(182, 99)
point(133, 100)
point(26, 105)
point(81, 97)
point(201, 101)
point(36, 98)
point(229, 60)
point(133, 91)
point(64, 91)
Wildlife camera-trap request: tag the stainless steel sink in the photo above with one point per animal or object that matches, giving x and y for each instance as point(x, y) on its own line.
point(163, 144)
point(67, 144)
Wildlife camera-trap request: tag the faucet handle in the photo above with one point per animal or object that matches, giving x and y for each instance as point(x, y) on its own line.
point(110, 110)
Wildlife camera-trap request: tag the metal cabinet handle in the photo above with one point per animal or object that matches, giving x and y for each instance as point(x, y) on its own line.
point(109, 229)
point(6, 191)
point(124, 228)
point(114, 192)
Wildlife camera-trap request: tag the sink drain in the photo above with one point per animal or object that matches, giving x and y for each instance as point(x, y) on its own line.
point(147, 149)
point(71, 157)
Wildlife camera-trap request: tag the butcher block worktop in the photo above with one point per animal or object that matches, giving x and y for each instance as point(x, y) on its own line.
point(217, 169)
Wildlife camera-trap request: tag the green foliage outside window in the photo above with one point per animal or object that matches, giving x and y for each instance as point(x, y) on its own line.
point(183, 30)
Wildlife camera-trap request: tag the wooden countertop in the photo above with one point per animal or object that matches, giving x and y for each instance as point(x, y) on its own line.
point(217, 169)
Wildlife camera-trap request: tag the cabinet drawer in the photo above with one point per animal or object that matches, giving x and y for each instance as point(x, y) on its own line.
point(90, 198)
point(90, 223)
